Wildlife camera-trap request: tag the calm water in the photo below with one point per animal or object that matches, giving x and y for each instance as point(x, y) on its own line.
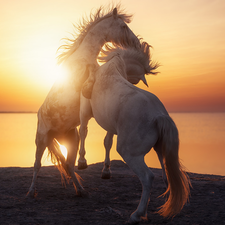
point(202, 142)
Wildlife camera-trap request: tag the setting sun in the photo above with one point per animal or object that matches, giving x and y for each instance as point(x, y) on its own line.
point(41, 62)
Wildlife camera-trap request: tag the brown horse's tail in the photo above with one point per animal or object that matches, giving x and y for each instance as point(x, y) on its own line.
point(178, 181)
point(58, 159)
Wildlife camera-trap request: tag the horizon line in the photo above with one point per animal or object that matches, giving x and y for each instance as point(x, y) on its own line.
point(1, 112)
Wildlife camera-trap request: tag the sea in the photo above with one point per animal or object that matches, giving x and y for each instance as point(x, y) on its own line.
point(202, 142)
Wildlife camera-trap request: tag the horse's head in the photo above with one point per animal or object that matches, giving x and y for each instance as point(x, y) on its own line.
point(115, 28)
point(135, 71)
point(107, 25)
point(137, 61)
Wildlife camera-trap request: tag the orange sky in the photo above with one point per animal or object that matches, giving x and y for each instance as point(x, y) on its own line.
point(188, 39)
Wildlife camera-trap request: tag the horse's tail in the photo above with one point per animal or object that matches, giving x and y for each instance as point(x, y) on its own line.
point(58, 159)
point(178, 181)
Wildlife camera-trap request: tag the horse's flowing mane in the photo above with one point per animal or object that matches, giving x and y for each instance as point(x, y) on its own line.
point(83, 27)
point(142, 55)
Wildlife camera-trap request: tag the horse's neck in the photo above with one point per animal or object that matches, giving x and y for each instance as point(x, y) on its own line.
point(91, 45)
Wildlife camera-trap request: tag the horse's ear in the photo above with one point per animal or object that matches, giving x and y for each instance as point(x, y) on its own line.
point(115, 13)
point(144, 80)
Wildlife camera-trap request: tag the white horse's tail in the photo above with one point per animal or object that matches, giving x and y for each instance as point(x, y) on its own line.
point(178, 181)
point(58, 159)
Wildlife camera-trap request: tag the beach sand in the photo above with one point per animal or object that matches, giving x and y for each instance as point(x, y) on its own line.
point(109, 202)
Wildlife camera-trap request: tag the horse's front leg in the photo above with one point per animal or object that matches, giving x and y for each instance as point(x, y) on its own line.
point(82, 162)
point(106, 173)
point(89, 83)
point(85, 116)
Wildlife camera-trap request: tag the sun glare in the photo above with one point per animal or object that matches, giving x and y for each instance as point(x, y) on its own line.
point(63, 150)
point(51, 72)
point(39, 58)
point(60, 73)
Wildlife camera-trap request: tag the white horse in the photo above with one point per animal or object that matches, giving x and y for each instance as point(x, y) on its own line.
point(58, 117)
point(141, 122)
point(138, 64)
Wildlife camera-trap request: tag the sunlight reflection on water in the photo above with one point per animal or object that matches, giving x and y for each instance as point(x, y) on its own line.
point(201, 142)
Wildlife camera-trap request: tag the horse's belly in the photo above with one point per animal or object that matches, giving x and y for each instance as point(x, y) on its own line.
point(60, 112)
point(106, 124)
point(105, 115)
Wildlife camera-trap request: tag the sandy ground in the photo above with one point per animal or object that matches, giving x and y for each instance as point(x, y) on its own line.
point(109, 202)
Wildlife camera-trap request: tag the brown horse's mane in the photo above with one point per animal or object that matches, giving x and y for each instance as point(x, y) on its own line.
point(83, 27)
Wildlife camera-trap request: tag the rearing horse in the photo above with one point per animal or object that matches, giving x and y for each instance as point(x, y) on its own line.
point(141, 122)
point(58, 116)
point(138, 63)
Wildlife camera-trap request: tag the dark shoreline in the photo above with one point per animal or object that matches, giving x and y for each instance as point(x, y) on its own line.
point(109, 202)
point(168, 111)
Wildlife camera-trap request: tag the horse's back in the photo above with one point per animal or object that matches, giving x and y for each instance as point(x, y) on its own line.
point(121, 105)
point(141, 103)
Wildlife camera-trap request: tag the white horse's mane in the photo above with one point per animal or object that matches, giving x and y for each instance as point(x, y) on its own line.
point(142, 55)
point(83, 27)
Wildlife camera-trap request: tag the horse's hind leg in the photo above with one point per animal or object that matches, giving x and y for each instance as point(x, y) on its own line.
point(41, 144)
point(137, 164)
point(72, 140)
point(106, 173)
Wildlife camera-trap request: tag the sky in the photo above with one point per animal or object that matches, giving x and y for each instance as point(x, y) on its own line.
point(188, 39)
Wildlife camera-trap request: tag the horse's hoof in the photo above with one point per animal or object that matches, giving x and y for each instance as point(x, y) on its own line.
point(82, 193)
point(31, 194)
point(82, 165)
point(133, 221)
point(106, 175)
point(135, 218)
